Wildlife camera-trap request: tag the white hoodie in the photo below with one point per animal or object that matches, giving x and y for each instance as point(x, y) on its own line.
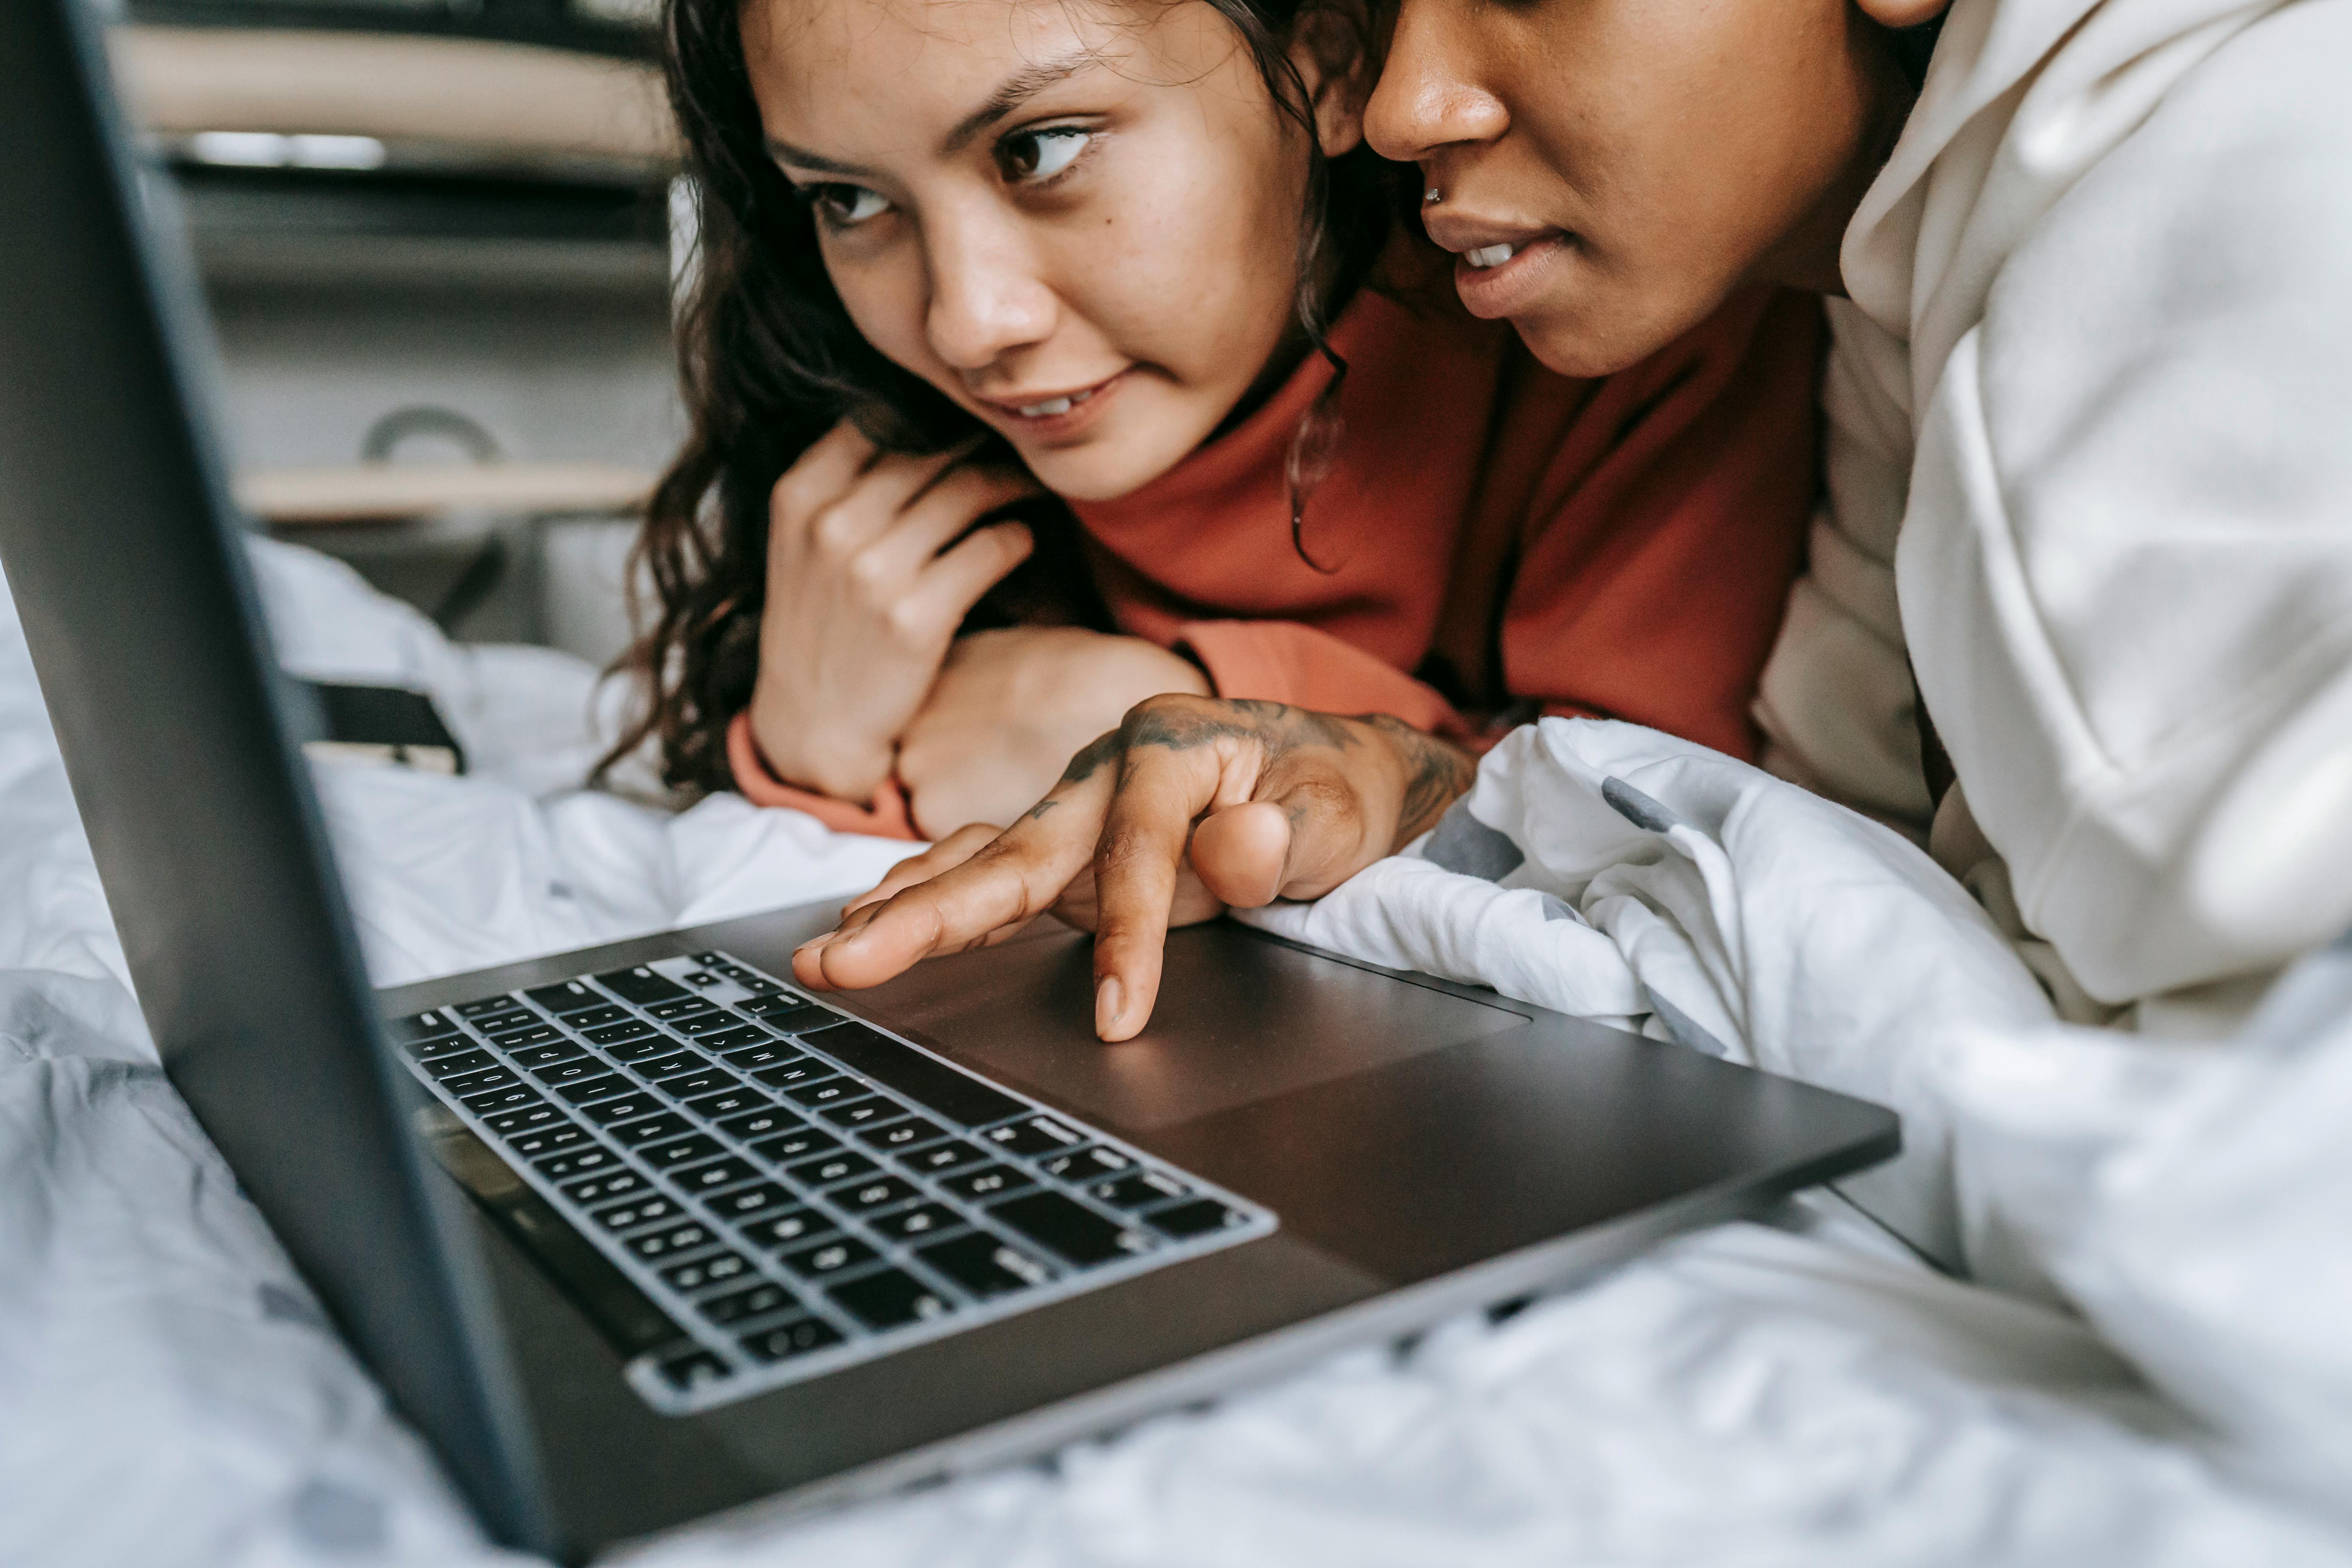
point(2090, 465)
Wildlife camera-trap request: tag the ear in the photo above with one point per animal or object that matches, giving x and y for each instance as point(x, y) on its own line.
point(1331, 49)
point(1901, 14)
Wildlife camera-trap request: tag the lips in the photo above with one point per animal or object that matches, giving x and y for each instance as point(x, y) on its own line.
point(1051, 405)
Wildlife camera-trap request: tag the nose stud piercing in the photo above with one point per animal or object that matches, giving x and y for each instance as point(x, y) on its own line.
point(1432, 197)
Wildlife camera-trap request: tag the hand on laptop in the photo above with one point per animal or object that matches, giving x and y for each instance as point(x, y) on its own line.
point(1192, 804)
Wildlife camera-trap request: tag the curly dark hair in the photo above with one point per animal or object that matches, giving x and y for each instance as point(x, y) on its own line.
point(768, 361)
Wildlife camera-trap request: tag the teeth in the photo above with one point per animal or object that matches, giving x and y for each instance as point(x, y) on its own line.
point(1053, 406)
point(1488, 256)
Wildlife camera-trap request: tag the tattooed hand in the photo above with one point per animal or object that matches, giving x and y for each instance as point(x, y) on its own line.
point(1191, 804)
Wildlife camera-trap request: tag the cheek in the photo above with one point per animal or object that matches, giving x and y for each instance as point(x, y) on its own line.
point(884, 298)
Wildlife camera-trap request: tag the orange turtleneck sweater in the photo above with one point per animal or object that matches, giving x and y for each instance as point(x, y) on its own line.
point(1495, 541)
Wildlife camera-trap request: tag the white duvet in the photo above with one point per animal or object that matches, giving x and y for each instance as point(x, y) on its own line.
point(2161, 1376)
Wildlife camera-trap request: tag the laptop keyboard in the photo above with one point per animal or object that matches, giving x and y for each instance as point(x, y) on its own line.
point(794, 1189)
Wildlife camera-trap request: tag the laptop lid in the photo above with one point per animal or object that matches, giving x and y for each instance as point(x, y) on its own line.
point(181, 739)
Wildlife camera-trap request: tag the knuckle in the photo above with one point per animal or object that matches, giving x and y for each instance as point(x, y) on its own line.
point(907, 621)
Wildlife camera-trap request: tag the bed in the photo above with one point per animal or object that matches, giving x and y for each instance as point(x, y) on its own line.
point(2163, 1375)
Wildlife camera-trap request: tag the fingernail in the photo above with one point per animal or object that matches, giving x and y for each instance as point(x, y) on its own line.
point(1110, 1003)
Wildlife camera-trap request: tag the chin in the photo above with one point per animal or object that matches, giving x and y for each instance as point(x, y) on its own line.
point(1587, 339)
point(1098, 470)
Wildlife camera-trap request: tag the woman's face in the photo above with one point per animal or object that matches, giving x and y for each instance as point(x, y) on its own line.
point(1612, 170)
point(1078, 220)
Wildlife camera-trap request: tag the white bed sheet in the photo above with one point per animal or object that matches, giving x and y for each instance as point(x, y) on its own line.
point(1755, 1394)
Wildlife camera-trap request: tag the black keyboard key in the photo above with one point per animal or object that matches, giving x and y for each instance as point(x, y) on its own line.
point(693, 1085)
point(808, 1069)
point(748, 1202)
point(756, 1124)
point(702, 977)
point(718, 1173)
point(669, 1124)
point(687, 1008)
point(892, 1297)
point(708, 1023)
point(515, 1097)
point(634, 1211)
point(634, 1051)
point(752, 1301)
point(1198, 1217)
point(484, 1006)
point(868, 1112)
point(669, 1066)
point(826, 1169)
point(596, 1018)
point(828, 1091)
point(451, 1063)
point(828, 1257)
point(539, 1055)
point(702, 1273)
point(481, 1079)
point(987, 1182)
point(640, 985)
point(726, 1103)
point(590, 1191)
point(733, 1039)
point(1138, 1188)
point(904, 1133)
point(922, 1220)
point(531, 1035)
point(615, 1034)
point(499, 1020)
point(1068, 1227)
point(926, 1080)
point(578, 1161)
point(1088, 1164)
point(693, 1369)
point(791, 1017)
point(942, 1157)
point(642, 1103)
point(767, 1053)
point(587, 1089)
point(680, 1152)
point(878, 1194)
point(983, 1265)
point(1038, 1135)
point(557, 1074)
point(789, 1228)
point(506, 1124)
point(565, 996)
point(431, 1051)
point(796, 1145)
point(779, 1001)
point(669, 1242)
point(429, 1025)
point(751, 982)
point(791, 1340)
point(556, 1141)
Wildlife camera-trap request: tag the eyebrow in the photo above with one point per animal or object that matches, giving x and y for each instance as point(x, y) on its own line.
point(1010, 95)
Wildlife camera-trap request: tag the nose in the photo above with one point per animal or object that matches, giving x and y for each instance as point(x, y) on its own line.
point(1429, 96)
point(987, 298)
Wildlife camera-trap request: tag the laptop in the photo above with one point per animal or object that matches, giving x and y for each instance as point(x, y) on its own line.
point(642, 1235)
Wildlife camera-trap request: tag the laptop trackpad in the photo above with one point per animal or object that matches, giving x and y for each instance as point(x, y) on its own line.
point(1239, 1019)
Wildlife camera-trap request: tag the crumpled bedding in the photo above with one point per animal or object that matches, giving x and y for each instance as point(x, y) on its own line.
point(2153, 1370)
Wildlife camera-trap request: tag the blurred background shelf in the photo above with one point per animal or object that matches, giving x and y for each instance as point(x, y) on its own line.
point(466, 211)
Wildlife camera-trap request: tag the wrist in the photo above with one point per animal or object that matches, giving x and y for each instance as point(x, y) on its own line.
point(828, 761)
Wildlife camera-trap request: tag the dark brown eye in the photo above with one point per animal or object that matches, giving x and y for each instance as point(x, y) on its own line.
point(1029, 156)
point(844, 206)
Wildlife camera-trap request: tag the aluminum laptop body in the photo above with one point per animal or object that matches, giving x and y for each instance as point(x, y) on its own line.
point(1301, 1153)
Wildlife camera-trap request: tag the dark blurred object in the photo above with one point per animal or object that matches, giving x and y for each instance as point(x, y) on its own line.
point(389, 725)
point(622, 27)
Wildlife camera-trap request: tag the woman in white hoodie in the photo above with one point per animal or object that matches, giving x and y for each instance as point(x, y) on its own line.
point(2089, 456)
